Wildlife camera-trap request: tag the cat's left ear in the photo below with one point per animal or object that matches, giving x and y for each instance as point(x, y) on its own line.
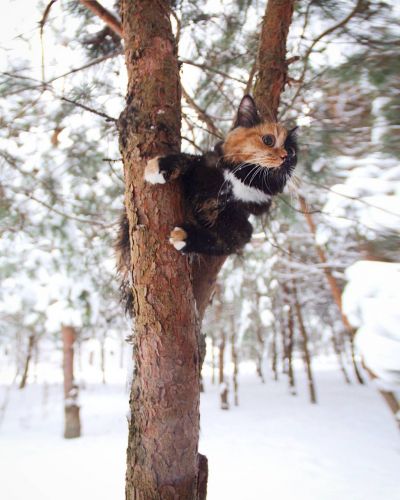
point(247, 115)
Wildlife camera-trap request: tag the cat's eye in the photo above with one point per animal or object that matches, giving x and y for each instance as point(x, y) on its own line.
point(269, 140)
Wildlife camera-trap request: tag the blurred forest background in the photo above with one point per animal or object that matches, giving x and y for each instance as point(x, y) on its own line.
point(278, 306)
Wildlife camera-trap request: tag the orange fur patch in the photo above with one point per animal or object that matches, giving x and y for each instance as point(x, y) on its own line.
point(245, 145)
point(178, 234)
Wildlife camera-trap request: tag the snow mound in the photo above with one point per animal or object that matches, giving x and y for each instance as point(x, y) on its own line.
point(371, 302)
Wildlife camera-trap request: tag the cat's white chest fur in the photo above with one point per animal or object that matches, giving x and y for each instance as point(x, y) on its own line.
point(245, 193)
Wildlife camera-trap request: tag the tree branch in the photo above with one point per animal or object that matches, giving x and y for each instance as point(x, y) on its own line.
point(104, 15)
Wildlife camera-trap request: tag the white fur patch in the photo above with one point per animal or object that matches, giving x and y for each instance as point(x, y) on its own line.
point(245, 193)
point(152, 172)
point(177, 239)
point(177, 244)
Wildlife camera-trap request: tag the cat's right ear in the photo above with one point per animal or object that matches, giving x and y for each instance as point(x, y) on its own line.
point(247, 115)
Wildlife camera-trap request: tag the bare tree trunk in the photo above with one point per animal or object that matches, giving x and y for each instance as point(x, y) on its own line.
point(260, 342)
point(162, 455)
point(72, 428)
point(290, 345)
point(339, 354)
point(283, 331)
point(235, 362)
point(29, 352)
point(259, 367)
point(103, 360)
point(35, 355)
point(307, 357)
point(223, 385)
point(213, 360)
point(353, 359)
point(274, 355)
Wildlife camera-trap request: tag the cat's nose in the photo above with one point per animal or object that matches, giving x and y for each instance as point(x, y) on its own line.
point(283, 154)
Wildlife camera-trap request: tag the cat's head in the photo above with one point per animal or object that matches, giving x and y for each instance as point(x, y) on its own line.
point(255, 142)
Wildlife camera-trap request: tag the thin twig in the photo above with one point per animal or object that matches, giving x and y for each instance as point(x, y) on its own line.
point(86, 108)
point(316, 40)
point(59, 212)
point(203, 116)
point(48, 82)
point(212, 70)
point(354, 198)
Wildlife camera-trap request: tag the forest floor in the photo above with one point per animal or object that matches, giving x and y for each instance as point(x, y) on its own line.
point(273, 446)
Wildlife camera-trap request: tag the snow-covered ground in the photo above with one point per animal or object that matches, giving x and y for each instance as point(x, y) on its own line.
point(273, 446)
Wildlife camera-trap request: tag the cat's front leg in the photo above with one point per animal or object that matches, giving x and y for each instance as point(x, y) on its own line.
point(153, 173)
point(162, 169)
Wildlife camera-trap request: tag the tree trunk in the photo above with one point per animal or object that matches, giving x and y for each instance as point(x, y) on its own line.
point(235, 361)
point(272, 65)
point(339, 354)
point(307, 357)
point(103, 360)
point(260, 342)
point(223, 385)
point(162, 457)
point(213, 360)
point(274, 361)
point(259, 367)
point(24, 378)
point(72, 428)
point(290, 345)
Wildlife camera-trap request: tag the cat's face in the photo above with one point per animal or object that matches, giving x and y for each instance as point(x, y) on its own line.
point(265, 144)
point(260, 155)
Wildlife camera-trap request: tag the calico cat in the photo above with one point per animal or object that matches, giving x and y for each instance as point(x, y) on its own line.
point(224, 187)
point(221, 188)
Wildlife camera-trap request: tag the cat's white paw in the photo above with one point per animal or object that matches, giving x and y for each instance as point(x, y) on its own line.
point(152, 172)
point(177, 238)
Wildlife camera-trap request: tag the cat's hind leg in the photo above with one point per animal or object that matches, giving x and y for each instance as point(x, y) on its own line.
point(219, 240)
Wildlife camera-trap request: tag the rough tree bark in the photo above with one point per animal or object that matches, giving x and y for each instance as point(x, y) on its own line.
point(162, 457)
point(272, 63)
point(72, 427)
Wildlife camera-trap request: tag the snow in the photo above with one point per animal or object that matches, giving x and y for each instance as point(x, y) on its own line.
point(273, 445)
point(371, 302)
